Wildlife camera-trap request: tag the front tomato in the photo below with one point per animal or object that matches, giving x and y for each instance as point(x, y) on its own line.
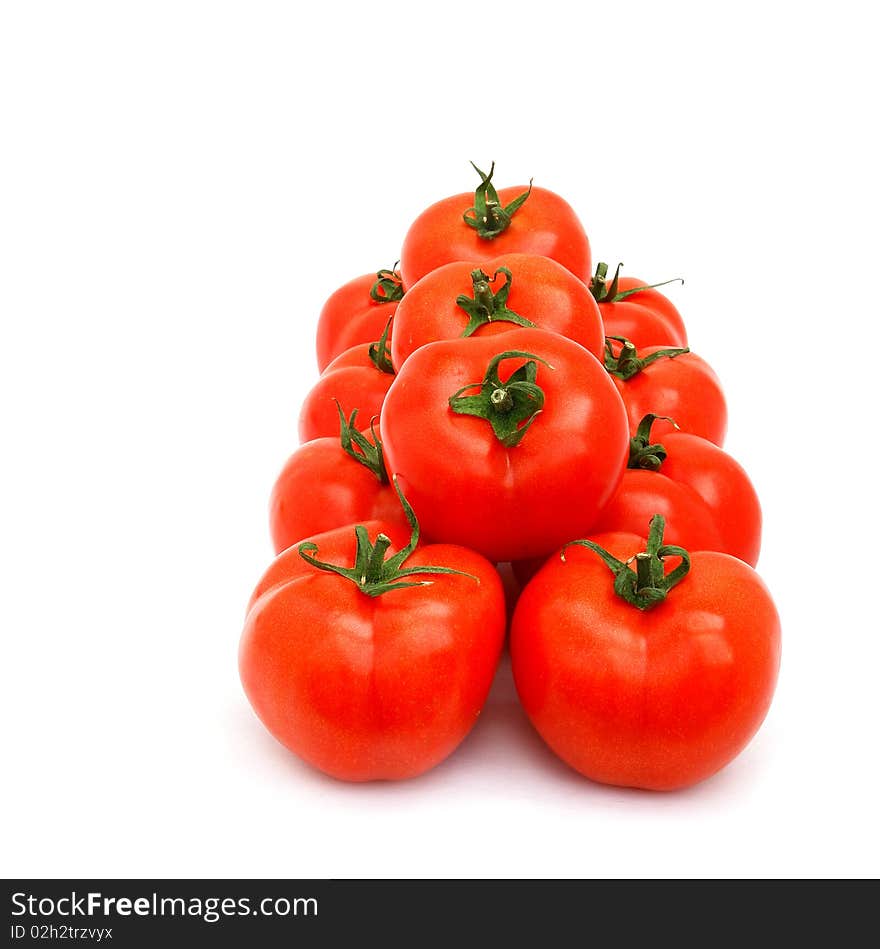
point(377, 670)
point(645, 679)
point(506, 444)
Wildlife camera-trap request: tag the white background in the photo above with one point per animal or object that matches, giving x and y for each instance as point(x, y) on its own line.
point(182, 186)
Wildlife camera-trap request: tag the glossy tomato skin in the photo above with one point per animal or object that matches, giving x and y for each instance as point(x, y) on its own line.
point(355, 382)
point(544, 225)
point(646, 318)
point(372, 688)
point(685, 388)
point(466, 486)
point(541, 290)
point(689, 522)
point(706, 497)
point(660, 699)
point(723, 486)
point(321, 488)
point(350, 317)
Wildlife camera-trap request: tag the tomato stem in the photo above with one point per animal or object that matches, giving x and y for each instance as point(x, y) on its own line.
point(646, 577)
point(489, 218)
point(510, 407)
point(604, 293)
point(380, 351)
point(648, 585)
point(371, 572)
point(627, 363)
point(388, 287)
point(502, 400)
point(376, 561)
point(356, 445)
point(642, 453)
point(487, 306)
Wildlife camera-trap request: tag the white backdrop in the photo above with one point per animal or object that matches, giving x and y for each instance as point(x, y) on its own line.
point(183, 184)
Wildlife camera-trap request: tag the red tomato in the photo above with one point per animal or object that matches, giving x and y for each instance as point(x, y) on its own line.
point(481, 225)
point(637, 311)
point(380, 679)
point(466, 298)
point(332, 482)
point(358, 379)
point(356, 313)
point(642, 493)
point(670, 382)
point(531, 473)
point(705, 496)
point(657, 697)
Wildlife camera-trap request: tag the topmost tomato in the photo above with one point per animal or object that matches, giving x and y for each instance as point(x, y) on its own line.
point(482, 225)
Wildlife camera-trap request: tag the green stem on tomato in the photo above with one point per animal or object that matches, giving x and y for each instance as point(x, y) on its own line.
point(627, 363)
point(388, 287)
point(603, 293)
point(487, 217)
point(487, 306)
point(371, 573)
point(380, 352)
point(648, 585)
point(358, 446)
point(642, 453)
point(510, 406)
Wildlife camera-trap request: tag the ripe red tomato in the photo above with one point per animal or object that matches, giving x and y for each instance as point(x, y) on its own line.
point(660, 695)
point(706, 497)
point(633, 309)
point(671, 382)
point(466, 298)
point(481, 225)
point(357, 379)
point(357, 313)
point(509, 445)
point(376, 671)
point(332, 482)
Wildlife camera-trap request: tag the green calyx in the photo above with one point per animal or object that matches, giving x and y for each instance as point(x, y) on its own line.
point(609, 293)
point(487, 217)
point(643, 454)
point(627, 363)
point(388, 286)
point(648, 585)
point(356, 445)
point(380, 351)
point(372, 573)
point(487, 306)
point(511, 406)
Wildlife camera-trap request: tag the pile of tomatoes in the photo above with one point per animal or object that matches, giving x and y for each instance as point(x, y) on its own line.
point(498, 401)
